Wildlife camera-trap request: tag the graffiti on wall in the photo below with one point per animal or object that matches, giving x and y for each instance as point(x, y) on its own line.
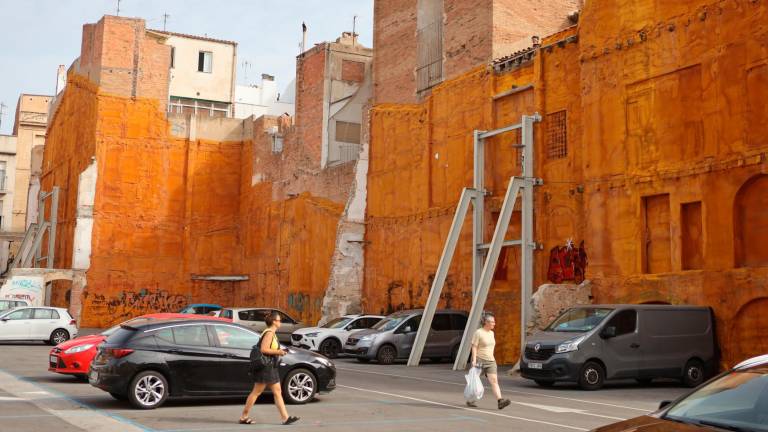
point(29, 288)
point(130, 304)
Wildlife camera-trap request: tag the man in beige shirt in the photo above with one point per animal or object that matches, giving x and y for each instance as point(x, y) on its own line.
point(483, 344)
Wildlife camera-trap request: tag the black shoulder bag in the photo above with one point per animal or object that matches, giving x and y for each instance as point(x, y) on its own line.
point(258, 360)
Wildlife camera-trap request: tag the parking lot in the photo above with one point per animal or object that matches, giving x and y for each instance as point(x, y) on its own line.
point(369, 397)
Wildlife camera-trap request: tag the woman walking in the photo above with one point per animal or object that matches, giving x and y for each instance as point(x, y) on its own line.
point(268, 376)
point(483, 344)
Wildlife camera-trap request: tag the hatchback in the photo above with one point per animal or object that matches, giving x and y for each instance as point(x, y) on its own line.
point(74, 356)
point(48, 324)
point(148, 362)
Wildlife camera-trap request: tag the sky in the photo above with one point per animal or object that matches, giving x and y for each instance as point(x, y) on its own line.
point(38, 35)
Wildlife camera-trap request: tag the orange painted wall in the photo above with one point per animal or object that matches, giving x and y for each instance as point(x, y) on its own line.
point(659, 99)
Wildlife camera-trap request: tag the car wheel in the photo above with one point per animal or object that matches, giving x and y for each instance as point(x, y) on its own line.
point(544, 383)
point(363, 360)
point(148, 390)
point(117, 396)
point(693, 375)
point(644, 381)
point(300, 386)
point(592, 376)
point(330, 348)
point(58, 336)
point(386, 355)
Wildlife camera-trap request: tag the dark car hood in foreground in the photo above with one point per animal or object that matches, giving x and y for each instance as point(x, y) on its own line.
point(552, 338)
point(652, 424)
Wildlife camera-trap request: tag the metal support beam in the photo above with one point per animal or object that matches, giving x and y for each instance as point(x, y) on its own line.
point(486, 277)
point(477, 208)
point(26, 244)
point(54, 220)
point(27, 262)
point(442, 272)
point(485, 256)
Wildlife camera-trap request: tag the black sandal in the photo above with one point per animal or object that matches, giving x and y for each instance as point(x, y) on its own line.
point(246, 420)
point(291, 420)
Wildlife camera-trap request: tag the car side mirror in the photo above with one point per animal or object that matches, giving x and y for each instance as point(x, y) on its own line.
point(665, 403)
point(608, 332)
point(3, 319)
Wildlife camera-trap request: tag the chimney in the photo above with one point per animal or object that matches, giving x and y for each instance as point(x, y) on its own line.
point(61, 79)
point(303, 37)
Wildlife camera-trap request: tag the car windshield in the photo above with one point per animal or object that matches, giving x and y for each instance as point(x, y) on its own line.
point(337, 323)
point(579, 320)
point(737, 400)
point(389, 323)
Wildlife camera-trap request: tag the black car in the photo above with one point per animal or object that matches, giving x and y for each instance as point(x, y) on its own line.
point(150, 360)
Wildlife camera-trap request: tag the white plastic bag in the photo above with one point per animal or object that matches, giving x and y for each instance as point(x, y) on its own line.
point(473, 392)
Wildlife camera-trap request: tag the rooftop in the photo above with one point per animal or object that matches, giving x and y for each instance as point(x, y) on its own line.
point(188, 36)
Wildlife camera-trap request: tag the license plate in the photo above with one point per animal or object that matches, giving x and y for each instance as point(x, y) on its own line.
point(535, 365)
point(93, 376)
point(295, 343)
point(54, 359)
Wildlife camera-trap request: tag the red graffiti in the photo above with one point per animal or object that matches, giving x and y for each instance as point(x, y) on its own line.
point(567, 263)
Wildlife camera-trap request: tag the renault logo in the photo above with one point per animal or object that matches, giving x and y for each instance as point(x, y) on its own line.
point(537, 347)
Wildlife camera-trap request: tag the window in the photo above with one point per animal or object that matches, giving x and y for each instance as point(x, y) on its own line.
point(252, 315)
point(166, 335)
point(205, 61)
point(277, 144)
point(20, 315)
point(233, 337)
point(429, 44)
point(458, 322)
point(692, 236)
point(557, 135)
point(173, 57)
point(624, 321)
point(285, 318)
point(195, 335)
point(5, 304)
point(45, 314)
point(657, 250)
point(359, 323)
point(227, 313)
point(200, 107)
point(441, 322)
point(348, 132)
point(370, 322)
point(410, 326)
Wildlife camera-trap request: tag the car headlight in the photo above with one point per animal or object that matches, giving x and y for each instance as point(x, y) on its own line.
point(367, 338)
point(311, 335)
point(79, 348)
point(324, 361)
point(568, 346)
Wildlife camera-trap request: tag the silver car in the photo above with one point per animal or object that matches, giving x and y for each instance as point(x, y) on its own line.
point(254, 319)
point(392, 338)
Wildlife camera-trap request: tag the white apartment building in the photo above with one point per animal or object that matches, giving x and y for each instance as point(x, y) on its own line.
point(263, 99)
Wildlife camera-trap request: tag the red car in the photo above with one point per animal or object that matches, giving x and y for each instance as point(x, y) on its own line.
point(74, 356)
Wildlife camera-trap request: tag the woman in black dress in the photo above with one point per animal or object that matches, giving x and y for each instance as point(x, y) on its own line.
point(269, 375)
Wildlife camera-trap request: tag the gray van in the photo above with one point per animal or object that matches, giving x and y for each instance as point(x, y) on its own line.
point(591, 344)
point(392, 338)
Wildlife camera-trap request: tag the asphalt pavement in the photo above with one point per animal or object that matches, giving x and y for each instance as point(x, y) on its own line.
point(369, 397)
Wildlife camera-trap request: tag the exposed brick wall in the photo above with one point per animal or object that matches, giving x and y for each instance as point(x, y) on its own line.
point(352, 70)
point(394, 47)
point(310, 91)
point(474, 33)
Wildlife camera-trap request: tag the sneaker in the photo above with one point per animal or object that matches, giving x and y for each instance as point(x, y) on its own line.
point(471, 404)
point(503, 403)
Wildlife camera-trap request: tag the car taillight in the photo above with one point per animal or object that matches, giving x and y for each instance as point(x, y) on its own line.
point(119, 352)
point(72, 322)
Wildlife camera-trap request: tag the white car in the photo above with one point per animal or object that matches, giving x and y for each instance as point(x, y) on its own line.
point(6, 305)
point(329, 339)
point(49, 324)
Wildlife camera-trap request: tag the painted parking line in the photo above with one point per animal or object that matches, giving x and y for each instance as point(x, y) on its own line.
point(304, 424)
point(459, 407)
point(644, 410)
point(79, 414)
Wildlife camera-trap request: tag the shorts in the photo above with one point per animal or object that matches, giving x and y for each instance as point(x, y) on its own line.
point(488, 367)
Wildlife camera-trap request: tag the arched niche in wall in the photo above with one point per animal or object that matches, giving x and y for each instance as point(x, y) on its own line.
point(750, 223)
point(748, 330)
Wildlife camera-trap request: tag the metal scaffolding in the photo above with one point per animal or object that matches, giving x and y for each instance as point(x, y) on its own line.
point(486, 255)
